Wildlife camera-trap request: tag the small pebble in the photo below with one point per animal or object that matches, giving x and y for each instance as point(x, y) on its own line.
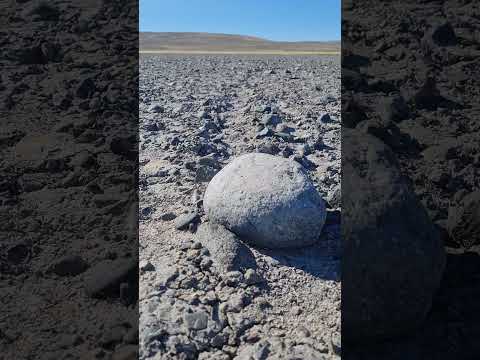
point(183, 221)
point(168, 216)
point(146, 266)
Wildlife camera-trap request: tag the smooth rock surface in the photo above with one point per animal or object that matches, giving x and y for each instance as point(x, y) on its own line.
point(266, 200)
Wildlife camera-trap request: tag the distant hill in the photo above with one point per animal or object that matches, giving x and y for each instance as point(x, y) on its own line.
point(188, 42)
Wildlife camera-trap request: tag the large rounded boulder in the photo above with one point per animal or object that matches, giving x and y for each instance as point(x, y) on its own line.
point(393, 258)
point(268, 201)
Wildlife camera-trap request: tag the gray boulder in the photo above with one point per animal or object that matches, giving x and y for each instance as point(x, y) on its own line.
point(267, 201)
point(393, 258)
point(227, 251)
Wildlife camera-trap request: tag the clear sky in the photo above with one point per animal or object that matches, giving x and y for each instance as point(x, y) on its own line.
point(288, 20)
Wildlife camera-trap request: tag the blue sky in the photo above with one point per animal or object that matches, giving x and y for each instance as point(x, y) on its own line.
point(288, 20)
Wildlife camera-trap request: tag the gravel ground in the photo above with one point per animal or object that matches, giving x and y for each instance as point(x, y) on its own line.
point(68, 146)
point(196, 114)
point(414, 88)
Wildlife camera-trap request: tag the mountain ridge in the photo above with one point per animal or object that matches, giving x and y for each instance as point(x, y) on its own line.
point(219, 42)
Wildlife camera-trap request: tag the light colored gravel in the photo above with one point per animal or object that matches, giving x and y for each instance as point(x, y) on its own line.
point(209, 110)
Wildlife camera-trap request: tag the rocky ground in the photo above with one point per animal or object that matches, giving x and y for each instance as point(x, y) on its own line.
point(409, 82)
point(68, 200)
point(196, 114)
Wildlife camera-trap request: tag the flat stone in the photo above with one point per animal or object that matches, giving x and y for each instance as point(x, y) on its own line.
point(155, 168)
point(183, 221)
point(156, 108)
point(169, 216)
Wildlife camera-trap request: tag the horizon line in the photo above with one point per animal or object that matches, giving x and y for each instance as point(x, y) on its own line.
point(230, 34)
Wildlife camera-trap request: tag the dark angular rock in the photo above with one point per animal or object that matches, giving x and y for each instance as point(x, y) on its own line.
point(125, 147)
point(271, 120)
point(151, 127)
point(70, 265)
point(30, 56)
point(18, 254)
point(271, 149)
point(444, 35)
point(428, 97)
point(86, 88)
point(45, 12)
point(168, 216)
point(325, 118)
